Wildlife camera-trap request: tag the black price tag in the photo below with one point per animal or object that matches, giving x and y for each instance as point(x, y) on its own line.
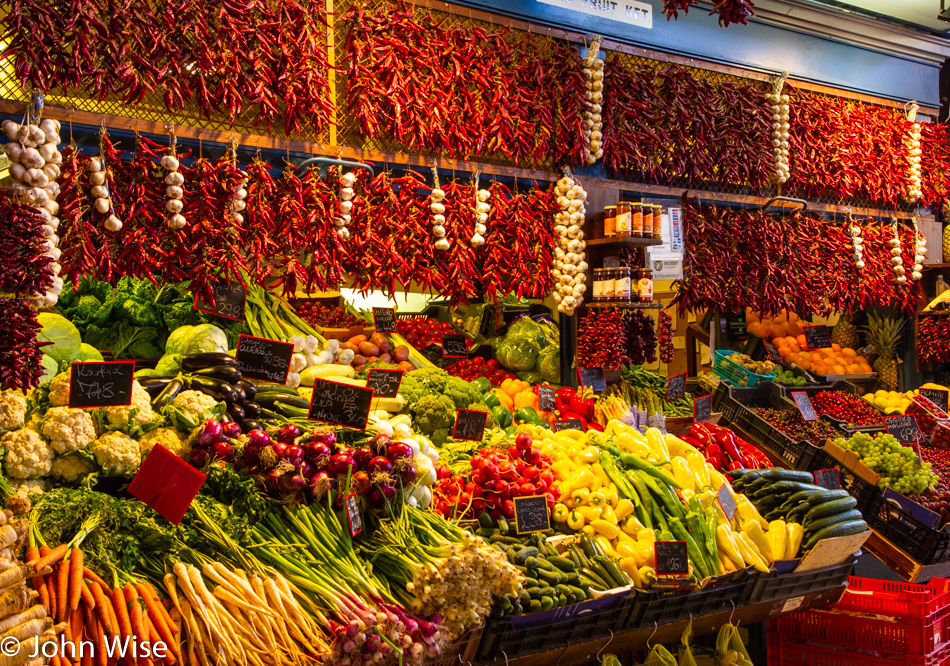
point(592, 378)
point(803, 402)
point(470, 424)
point(263, 359)
point(727, 501)
point(385, 320)
point(340, 404)
point(101, 384)
point(385, 383)
point(828, 478)
point(672, 558)
point(904, 428)
point(772, 351)
point(702, 408)
point(229, 300)
point(454, 346)
point(675, 387)
point(569, 424)
point(546, 397)
point(531, 514)
point(434, 354)
point(937, 396)
point(353, 516)
point(817, 337)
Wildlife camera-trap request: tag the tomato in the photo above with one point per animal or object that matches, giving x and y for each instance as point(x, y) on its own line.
point(493, 364)
point(478, 361)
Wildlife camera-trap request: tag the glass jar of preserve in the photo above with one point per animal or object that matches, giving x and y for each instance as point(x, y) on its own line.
point(647, 221)
point(610, 221)
point(657, 222)
point(598, 284)
point(645, 285)
point(636, 223)
point(622, 285)
point(622, 220)
point(608, 280)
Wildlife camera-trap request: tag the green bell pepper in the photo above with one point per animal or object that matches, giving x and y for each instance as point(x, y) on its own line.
point(482, 383)
point(528, 415)
point(511, 431)
point(502, 415)
point(491, 400)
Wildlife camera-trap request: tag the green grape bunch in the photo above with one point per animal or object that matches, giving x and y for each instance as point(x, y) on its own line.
point(898, 465)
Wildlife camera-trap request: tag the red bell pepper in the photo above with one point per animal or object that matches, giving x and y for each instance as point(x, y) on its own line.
point(593, 425)
point(700, 432)
point(714, 456)
point(749, 462)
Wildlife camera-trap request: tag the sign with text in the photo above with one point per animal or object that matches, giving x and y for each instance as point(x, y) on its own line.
point(353, 516)
point(904, 428)
point(702, 408)
point(592, 378)
point(803, 402)
point(568, 424)
point(894, 500)
point(828, 478)
point(631, 12)
point(101, 384)
point(434, 354)
point(454, 346)
point(470, 424)
point(817, 337)
point(531, 514)
point(546, 398)
point(727, 501)
point(385, 320)
point(675, 387)
point(340, 404)
point(938, 397)
point(385, 383)
point(229, 300)
point(772, 351)
point(263, 359)
point(166, 483)
point(671, 558)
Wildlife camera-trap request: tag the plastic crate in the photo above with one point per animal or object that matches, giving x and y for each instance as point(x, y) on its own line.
point(462, 651)
point(735, 373)
point(924, 545)
point(839, 385)
point(790, 650)
point(515, 636)
point(774, 586)
point(661, 607)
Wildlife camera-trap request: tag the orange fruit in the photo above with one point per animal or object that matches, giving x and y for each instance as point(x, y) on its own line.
point(801, 341)
point(789, 340)
point(815, 356)
point(860, 359)
point(781, 319)
point(794, 328)
point(847, 352)
point(776, 331)
point(838, 369)
point(792, 317)
point(784, 351)
point(794, 346)
point(804, 363)
point(835, 347)
point(854, 369)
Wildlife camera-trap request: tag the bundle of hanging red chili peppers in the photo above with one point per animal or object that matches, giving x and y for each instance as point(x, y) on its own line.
point(24, 268)
point(935, 164)
point(601, 339)
point(20, 353)
point(933, 340)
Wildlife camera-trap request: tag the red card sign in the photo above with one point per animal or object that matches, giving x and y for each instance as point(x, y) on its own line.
point(166, 483)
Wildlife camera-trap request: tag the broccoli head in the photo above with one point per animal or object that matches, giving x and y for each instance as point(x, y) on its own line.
point(423, 382)
point(482, 407)
point(462, 393)
point(433, 412)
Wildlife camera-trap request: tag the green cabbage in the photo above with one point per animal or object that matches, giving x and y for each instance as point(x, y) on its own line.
point(62, 333)
point(50, 366)
point(526, 328)
point(549, 363)
point(88, 353)
point(204, 338)
point(530, 376)
point(517, 354)
point(177, 338)
point(169, 364)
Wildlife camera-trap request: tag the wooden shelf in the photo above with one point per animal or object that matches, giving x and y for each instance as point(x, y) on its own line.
point(927, 267)
point(901, 563)
point(626, 306)
point(934, 313)
point(624, 242)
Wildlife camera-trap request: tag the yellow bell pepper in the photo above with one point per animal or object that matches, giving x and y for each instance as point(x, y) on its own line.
point(562, 469)
point(778, 539)
point(727, 545)
point(580, 496)
point(506, 400)
point(589, 512)
point(605, 529)
point(597, 499)
point(560, 513)
point(589, 531)
point(631, 525)
point(511, 387)
point(645, 550)
point(575, 521)
point(749, 554)
point(629, 567)
point(606, 513)
point(795, 534)
point(697, 465)
point(627, 549)
point(683, 474)
point(611, 494)
point(747, 511)
point(647, 576)
point(623, 509)
point(635, 445)
point(706, 498)
point(753, 531)
point(526, 399)
point(591, 455)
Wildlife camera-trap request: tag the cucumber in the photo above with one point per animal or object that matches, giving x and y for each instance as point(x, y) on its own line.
point(551, 576)
point(827, 496)
point(562, 600)
point(578, 594)
point(563, 589)
point(486, 532)
point(796, 514)
point(830, 508)
point(562, 563)
point(525, 598)
point(784, 488)
point(780, 474)
point(822, 523)
point(530, 582)
point(501, 538)
point(802, 496)
point(547, 603)
point(535, 606)
point(546, 565)
point(484, 520)
point(502, 525)
point(525, 553)
point(836, 530)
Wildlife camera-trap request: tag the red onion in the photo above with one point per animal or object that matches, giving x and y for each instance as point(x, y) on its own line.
point(198, 457)
point(381, 442)
point(293, 454)
point(380, 495)
point(407, 474)
point(323, 436)
point(212, 428)
point(222, 450)
point(320, 484)
point(288, 434)
point(231, 429)
point(379, 464)
point(360, 483)
point(258, 438)
point(307, 469)
point(278, 448)
point(363, 456)
point(340, 464)
point(399, 450)
point(272, 480)
point(315, 451)
point(293, 483)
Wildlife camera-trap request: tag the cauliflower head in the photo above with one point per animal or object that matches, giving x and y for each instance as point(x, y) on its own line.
point(59, 390)
point(194, 402)
point(27, 455)
point(117, 453)
point(141, 405)
point(70, 468)
point(68, 429)
point(12, 410)
point(28, 487)
point(168, 438)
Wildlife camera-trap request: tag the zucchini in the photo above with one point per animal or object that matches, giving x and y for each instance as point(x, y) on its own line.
point(594, 578)
point(780, 474)
point(830, 508)
point(618, 576)
point(837, 530)
point(827, 496)
point(562, 563)
point(820, 524)
point(551, 576)
point(601, 570)
point(589, 547)
point(549, 550)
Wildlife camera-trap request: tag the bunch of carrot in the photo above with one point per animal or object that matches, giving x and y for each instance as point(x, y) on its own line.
point(129, 616)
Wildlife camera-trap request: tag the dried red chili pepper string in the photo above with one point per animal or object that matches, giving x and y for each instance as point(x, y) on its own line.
point(20, 353)
point(84, 250)
point(25, 268)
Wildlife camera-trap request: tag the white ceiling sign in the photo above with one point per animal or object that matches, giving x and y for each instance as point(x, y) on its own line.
point(630, 12)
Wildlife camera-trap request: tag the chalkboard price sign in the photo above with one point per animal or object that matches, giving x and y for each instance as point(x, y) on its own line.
point(817, 337)
point(546, 396)
point(569, 424)
point(531, 514)
point(828, 478)
point(263, 359)
point(772, 351)
point(904, 428)
point(727, 501)
point(385, 383)
point(592, 378)
point(671, 558)
point(101, 384)
point(340, 404)
point(229, 300)
point(675, 387)
point(470, 424)
point(385, 320)
point(804, 405)
point(938, 397)
point(353, 516)
point(702, 408)
point(434, 354)
point(454, 346)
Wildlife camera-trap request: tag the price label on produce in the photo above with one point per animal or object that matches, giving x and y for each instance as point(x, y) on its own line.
point(470, 425)
point(166, 483)
point(434, 354)
point(340, 404)
point(671, 558)
point(385, 383)
point(263, 359)
point(384, 319)
point(454, 346)
point(531, 514)
point(702, 408)
point(353, 516)
point(727, 501)
point(939, 397)
point(772, 351)
point(546, 398)
point(568, 424)
point(101, 384)
point(828, 478)
point(675, 387)
point(592, 378)
point(904, 428)
point(817, 337)
point(229, 300)
point(803, 402)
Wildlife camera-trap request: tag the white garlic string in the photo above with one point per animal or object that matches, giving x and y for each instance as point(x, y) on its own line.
point(858, 242)
point(920, 253)
point(910, 142)
point(570, 265)
point(897, 263)
point(437, 208)
point(593, 67)
point(481, 210)
point(780, 130)
point(346, 194)
point(173, 185)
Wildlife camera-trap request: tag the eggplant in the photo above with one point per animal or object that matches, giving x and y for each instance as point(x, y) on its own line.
point(247, 425)
point(216, 388)
point(251, 409)
point(225, 418)
point(165, 397)
point(154, 385)
point(227, 373)
point(249, 389)
point(207, 360)
point(236, 412)
point(239, 396)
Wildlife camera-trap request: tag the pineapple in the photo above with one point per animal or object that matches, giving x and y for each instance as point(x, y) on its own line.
point(845, 333)
point(946, 242)
point(884, 334)
point(943, 377)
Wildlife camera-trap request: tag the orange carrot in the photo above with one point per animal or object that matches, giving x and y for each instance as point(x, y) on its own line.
point(76, 631)
point(102, 657)
point(53, 601)
point(139, 628)
point(155, 639)
point(92, 575)
point(39, 582)
point(86, 593)
point(62, 582)
point(102, 606)
point(75, 580)
point(51, 558)
point(123, 622)
point(157, 617)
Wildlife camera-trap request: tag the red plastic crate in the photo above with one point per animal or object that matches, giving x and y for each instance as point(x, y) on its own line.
point(791, 651)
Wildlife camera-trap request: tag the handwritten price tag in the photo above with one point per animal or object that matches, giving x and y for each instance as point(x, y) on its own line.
point(817, 337)
point(229, 301)
point(672, 558)
point(803, 402)
point(675, 387)
point(469, 424)
point(531, 514)
point(546, 398)
point(101, 384)
point(340, 404)
point(263, 359)
point(904, 428)
point(385, 320)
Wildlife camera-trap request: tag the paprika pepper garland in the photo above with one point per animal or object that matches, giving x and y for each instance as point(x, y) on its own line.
point(25, 269)
point(20, 353)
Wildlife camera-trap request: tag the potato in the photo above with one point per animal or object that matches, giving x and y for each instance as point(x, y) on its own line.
point(369, 349)
point(378, 339)
point(384, 346)
point(405, 366)
point(401, 353)
point(356, 340)
point(386, 357)
point(358, 361)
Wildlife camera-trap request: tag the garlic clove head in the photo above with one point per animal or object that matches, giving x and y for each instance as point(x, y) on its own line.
point(170, 163)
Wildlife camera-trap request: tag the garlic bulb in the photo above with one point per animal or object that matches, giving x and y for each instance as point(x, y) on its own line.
point(347, 180)
point(593, 121)
point(482, 210)
point(170, 163)
point(780, 131)
point(570, 265)
point(897, 262)
point(437, 208)
point(99, 179)
point(173, 190)
point(113, 223)
point(910, 142)
point(239, 195)
point(920, 253)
